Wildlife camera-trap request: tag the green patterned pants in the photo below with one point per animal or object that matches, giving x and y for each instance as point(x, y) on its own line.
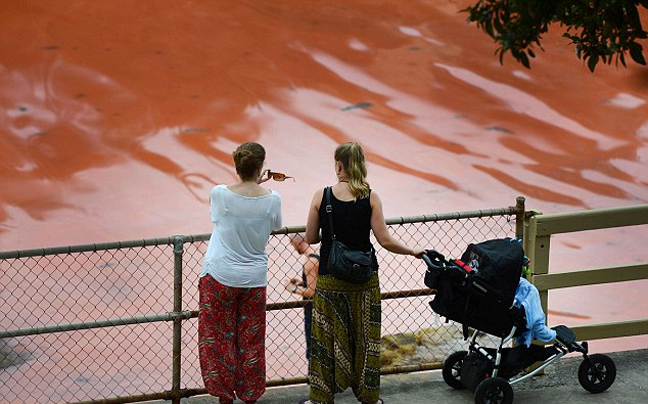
point(345, 346)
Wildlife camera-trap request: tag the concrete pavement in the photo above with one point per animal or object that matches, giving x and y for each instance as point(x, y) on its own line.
point(559, 384)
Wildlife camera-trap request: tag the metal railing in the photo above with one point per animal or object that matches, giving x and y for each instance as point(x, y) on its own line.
point(116, 322)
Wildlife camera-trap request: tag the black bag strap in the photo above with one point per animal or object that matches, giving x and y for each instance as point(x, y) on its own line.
point(329, 210)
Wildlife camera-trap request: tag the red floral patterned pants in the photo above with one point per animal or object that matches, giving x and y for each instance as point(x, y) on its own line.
point(231, 340)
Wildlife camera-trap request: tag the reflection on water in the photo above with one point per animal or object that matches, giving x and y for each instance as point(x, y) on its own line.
point(116, 118)
point(168, 91)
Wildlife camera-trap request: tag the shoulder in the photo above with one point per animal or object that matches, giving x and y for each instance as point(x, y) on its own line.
point(374, 198)
point(275, 198)
point(319, 193)
point(316, 202)
point(218, 189)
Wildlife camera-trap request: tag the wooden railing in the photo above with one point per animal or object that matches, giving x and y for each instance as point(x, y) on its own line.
point(539, 228)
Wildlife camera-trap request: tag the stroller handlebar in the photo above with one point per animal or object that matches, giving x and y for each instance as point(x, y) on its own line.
point(433, 259)
point(437, 262)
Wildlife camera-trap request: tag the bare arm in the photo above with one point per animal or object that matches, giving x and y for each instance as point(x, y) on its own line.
point(381, 232)
point(311, 268)
point(313, 221)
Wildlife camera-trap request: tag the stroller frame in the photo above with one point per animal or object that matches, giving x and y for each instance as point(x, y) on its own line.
point(490, 372)
point(562, 349)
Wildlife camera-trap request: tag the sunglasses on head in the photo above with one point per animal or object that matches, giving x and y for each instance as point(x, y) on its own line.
point(278, 176)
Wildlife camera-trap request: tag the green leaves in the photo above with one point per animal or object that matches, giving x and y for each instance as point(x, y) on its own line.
point(600, 30)
point(636, 53)
point(591, 63)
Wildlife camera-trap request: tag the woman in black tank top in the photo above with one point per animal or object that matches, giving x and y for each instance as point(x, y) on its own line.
point(347, 315)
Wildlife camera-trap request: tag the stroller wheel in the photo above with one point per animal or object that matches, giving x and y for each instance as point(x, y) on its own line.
point(452, 370)
point(596, 373)
point(494, 390)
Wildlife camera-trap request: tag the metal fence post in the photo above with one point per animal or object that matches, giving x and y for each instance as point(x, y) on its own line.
point(178, 250)
point(519, 217)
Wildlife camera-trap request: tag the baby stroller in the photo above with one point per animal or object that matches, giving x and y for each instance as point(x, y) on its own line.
point(479, 292)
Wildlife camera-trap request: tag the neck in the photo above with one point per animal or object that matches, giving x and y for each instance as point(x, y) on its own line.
point(248, 184)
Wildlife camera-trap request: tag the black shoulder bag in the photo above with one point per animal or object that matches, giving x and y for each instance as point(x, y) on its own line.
point(344, 263)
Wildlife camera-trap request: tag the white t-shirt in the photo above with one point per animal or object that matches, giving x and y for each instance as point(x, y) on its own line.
point(236, 254)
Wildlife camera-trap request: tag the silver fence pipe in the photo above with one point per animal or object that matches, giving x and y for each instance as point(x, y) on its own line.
point(178, 250)
point(39, 252)
point(117, 245)
point(472, 214)
point(86, 325)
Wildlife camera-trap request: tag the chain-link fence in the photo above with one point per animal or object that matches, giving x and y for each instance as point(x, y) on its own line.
point(117, 322)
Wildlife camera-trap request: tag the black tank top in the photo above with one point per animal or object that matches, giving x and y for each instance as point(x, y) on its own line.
point(352, 225)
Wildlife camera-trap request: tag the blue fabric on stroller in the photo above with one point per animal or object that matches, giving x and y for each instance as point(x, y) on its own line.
point(527, 296)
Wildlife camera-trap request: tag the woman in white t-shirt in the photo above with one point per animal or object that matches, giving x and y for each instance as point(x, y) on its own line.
point(233, 280)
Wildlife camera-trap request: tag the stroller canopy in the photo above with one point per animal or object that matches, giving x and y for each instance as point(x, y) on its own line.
point(497, 263)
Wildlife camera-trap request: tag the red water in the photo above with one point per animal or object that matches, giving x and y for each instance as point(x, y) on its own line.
point(116, 118)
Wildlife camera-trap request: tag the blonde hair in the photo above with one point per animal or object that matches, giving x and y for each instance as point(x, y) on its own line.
point(248, 158)
point(352, 158)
